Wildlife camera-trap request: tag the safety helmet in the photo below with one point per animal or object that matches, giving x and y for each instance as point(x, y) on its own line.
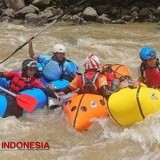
point(147, 53)
point(28, 63)
point(91, 62)
point(59, 48)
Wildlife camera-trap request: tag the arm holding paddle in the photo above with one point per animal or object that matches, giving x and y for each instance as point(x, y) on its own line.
point(32, 54)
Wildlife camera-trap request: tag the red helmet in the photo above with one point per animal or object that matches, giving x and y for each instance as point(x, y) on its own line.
point(91, 62)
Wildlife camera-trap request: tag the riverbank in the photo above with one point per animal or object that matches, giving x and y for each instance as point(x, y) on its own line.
point(40, 12)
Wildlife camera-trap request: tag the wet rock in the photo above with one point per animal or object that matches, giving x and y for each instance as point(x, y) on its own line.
point(32, 18)
point(78, 20)
point(121, 11)
point(103, 19)
point(157, 12)
point(41, 2)
point(15, 4)
point(119, 21)
point(9, 13)
point(135, 15)
point(46, 14)
point(126, 18)
point(54, 11)
point(144, 13)
point(90, 14)
point(26, 10)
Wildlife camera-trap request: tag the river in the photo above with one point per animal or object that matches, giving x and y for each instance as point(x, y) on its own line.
point(104, 140)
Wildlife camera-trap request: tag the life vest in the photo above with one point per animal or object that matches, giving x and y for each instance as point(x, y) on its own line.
point(89, 85)
point(18, 83)
point(151, 76)
point(142, 68)
point(54, 70)
point(48, 72)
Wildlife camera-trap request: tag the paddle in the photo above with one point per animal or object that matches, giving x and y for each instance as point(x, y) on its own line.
point(67, 12)
point(24, 101)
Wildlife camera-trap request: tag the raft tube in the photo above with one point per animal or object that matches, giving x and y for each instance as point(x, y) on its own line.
point(120, 70)
point(81, 109)
point(129, 106)
point(38, 94)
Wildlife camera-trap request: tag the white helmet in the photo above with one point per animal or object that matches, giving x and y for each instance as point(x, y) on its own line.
point(91, 62)
point(59, 48)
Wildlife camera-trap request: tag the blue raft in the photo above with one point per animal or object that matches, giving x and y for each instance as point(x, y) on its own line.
point(8, 106)
point(6, 102)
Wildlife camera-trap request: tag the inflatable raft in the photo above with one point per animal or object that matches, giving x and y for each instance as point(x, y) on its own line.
point(81, 109)
point(119, 70)
point(8, 105)
point(128, 106)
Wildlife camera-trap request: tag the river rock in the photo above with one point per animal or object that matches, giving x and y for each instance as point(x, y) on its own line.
point(15, 4)
point(144, 13)
point(78, 20)
point(32, 18)
point(103, 19)
point(41, 3)
point(26, 10)
point(9, 12)
point(90, 14)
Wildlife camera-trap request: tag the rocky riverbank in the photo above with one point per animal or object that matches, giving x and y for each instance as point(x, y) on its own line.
point(40, 12)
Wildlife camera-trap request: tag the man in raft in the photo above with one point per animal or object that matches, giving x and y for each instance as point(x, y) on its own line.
point(55, 67)
point(91, 81)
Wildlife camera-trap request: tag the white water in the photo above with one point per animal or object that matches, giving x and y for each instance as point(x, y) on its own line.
point(104, 140)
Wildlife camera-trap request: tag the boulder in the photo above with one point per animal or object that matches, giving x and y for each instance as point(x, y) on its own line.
point(90, 14)
point(32, 18)
point(103, 19)
point(26, 10)
point(144, 13)
point(15, 4)
point(9, 13)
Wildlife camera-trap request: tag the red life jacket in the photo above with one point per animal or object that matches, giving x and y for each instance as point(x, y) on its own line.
point(152, 77)
point(18, 83)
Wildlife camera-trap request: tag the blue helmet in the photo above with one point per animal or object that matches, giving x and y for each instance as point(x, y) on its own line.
point(147, 53)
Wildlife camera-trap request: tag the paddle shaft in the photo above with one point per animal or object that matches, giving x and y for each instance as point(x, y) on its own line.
point(5, 90)
point(53, 22)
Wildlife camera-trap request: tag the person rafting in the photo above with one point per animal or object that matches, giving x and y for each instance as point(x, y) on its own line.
point(20, 80)
point(25, 78)
point(91, 81)
point(55, 67)
point(149, 70)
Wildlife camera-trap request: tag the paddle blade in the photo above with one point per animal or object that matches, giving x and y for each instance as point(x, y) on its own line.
point(26, 102)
